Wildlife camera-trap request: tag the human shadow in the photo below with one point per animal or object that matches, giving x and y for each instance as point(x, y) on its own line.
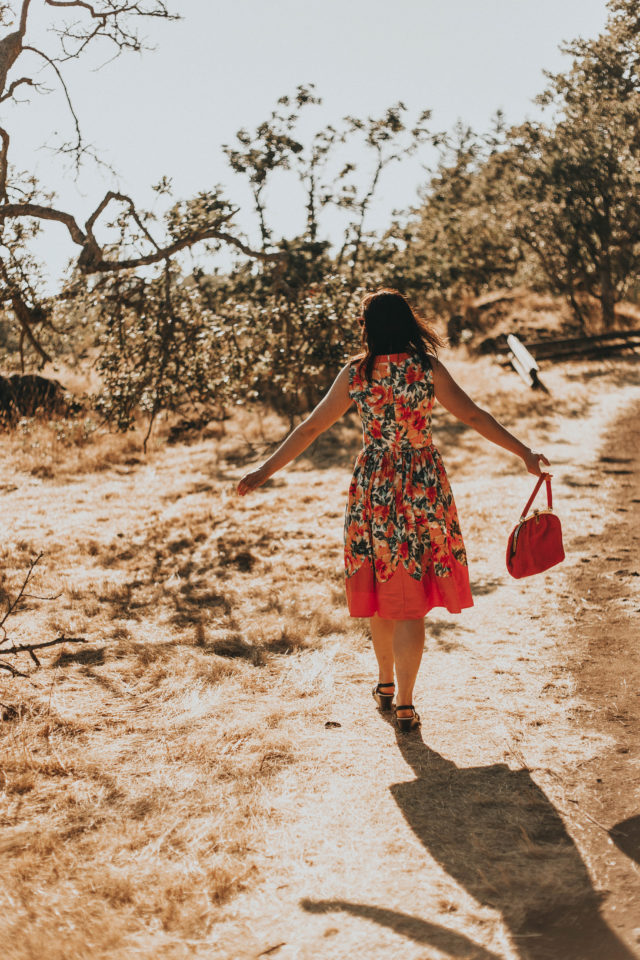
point(414, 928)
point(626, 836)
point(499, 836)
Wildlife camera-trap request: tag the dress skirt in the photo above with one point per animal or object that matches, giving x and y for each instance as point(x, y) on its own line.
point(404, 553)
point(404, 598)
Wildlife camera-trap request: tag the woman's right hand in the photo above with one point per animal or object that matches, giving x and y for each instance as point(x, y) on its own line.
point(532, 463)
point(255, 478)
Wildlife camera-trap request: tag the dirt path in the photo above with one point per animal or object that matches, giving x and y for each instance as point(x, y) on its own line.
point(606, 666)
point(181, 770)
point(486, 836)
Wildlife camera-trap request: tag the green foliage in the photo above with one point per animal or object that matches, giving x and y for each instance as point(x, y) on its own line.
point(171, 342)
point(552, 202)
point(285, 350)
point(273, 330)
point(270, 147)
point(156, 353)
point(576, 180)
point(186, 217)
point(459, 243)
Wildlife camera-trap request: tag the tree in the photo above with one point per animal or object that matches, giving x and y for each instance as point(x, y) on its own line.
point(576, 180)
point(390, 140)
point(456, 243)
point(289, 324)
point(25, 205)
point(554, 201)
point(277, 324)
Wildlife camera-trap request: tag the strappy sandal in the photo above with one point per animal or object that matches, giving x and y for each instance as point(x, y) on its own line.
point(384, 700)
point(406, 723)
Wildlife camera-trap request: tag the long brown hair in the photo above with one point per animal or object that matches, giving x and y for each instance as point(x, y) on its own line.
point(391, 325)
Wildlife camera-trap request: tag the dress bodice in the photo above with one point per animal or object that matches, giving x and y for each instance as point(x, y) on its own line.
point(395, 404)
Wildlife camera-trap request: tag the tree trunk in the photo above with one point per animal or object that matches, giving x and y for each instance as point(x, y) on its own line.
point(607, 288)
point(607, 293)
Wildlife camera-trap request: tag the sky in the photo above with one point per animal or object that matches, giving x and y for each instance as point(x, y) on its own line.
point(168, 111)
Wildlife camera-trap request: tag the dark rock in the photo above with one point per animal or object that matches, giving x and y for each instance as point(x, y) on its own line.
point(24, 395)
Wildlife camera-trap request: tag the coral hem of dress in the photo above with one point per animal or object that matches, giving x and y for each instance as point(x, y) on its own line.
point(401, 597)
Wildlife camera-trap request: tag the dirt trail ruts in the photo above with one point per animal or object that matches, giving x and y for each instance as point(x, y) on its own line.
point(605, 790)
point(486, 835)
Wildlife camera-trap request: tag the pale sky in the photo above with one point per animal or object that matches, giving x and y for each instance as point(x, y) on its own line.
point(168, 111)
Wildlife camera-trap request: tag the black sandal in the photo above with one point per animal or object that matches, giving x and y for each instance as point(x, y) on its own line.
point(384, 700)
point(406, 723)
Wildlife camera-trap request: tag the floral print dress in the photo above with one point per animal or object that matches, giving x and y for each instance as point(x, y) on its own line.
point(403, 548)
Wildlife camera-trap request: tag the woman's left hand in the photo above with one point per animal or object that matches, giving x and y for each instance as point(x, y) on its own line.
point(532, 462)
point(252, 480)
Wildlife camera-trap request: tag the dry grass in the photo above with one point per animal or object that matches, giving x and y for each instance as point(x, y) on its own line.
point(171, 774)
point(536, 316)
point(136, 770)
point(63, 448)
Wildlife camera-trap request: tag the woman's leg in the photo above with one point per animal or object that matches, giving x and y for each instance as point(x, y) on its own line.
point(382, 636)
point(408, 644)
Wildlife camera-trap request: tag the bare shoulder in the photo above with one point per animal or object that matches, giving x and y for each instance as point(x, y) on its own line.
point(334, 403)
point(441, 373)
point(438, 369)
point(450, 394)
point(345, 371)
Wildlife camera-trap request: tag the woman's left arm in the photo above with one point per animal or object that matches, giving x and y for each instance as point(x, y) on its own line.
point(332, 406)
point(457, 402)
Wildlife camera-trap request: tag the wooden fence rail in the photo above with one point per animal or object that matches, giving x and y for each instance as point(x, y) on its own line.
point(599, 345)
point(524, 359)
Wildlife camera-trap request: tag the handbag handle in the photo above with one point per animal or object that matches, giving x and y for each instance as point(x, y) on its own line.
point(547, 479)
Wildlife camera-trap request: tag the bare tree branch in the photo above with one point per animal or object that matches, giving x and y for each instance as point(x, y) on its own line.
point(30, 648)
point(23, 17)
point(3, 163)
point(26, 317)
point(23, 314)
point(51, 62)
point(13, 604)
point(10, 49)
point(73, 3)
point(11, 45)
point(41, 212)
point(12, 670)
point(111, 24)
point(187, 241)
point(17, 83)
point(92, 260)
point(115, 11)
point(106, 200)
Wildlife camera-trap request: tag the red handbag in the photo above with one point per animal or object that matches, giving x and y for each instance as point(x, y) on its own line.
point(535, 543)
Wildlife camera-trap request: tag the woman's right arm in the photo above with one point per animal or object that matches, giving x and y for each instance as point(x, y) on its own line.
point(457, 402)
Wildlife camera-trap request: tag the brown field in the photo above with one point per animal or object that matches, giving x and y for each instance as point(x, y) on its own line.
point(170, 788)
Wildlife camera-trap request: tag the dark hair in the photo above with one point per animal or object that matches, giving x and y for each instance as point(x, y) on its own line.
point(391, 325)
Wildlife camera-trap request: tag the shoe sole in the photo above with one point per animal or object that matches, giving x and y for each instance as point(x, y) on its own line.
point(385, 703)
point(407, 728)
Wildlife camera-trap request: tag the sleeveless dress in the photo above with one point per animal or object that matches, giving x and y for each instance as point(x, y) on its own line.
point(403, 548)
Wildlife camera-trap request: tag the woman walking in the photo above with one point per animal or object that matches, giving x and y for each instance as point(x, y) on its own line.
point(403, 547)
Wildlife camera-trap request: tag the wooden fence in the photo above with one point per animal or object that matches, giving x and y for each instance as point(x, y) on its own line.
point(578, 348)
point(524, 359)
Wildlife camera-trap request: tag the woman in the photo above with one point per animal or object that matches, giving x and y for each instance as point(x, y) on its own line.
point(403, 547)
